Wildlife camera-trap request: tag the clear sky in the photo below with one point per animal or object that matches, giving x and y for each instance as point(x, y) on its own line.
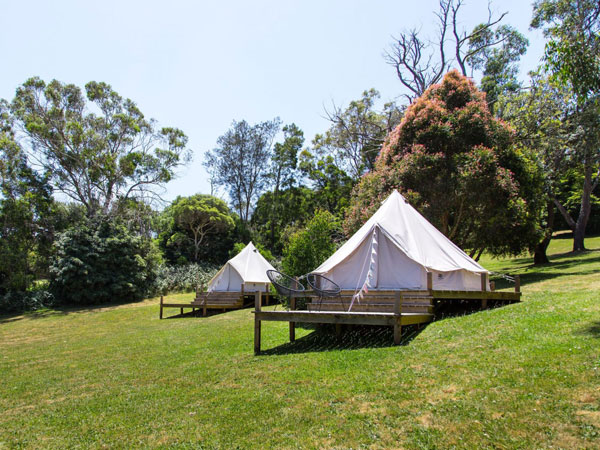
point(198, 65)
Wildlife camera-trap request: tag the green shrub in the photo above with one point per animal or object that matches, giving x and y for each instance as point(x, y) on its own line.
point(102, 262)
point(14, 301)
point(309, 247)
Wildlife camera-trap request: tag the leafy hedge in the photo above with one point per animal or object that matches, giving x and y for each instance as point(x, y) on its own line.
point(102, 262)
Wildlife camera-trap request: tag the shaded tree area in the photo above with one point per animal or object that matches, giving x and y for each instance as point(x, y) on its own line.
point(25, 206)
point(308, 247)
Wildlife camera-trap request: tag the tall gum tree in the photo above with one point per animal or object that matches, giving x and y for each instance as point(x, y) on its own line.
point(96, 148)
point(573, 58)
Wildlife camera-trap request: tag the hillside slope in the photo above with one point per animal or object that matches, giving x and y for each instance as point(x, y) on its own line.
point(525, 375)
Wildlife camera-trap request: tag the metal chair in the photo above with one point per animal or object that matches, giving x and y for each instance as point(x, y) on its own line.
point(324, 288)
point(285, 285)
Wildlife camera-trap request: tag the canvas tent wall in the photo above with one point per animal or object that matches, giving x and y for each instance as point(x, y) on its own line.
point(395, 249)
point(248, 269)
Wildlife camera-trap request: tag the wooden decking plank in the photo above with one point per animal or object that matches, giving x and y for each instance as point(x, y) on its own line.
point(362, 318)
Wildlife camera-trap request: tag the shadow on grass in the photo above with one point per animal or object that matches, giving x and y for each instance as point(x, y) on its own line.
point(593, 329)
point(556, 268)
point(61, 310)
point(324, 339)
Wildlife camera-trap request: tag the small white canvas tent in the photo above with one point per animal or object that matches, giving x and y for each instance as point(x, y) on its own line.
point(245, 272)
point(395, 249)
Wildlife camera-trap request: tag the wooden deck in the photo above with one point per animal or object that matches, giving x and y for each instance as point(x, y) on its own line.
point(212, 301)
point(387, 308)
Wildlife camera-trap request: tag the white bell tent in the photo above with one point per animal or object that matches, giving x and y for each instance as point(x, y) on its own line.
point(395, 249)
point(247, 272)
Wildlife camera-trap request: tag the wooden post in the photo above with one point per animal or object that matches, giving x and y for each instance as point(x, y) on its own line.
point(338, 330)
point(292, 324)
point(517, 283)
point(161, 307)
point(430, 281)
point(257, 305)
point(398, 317)
point(181, 311)
point(492, 286)
point(267, 293)
point(484, 288)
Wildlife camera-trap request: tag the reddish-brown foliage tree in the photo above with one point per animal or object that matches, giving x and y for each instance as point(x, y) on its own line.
point(456, 164)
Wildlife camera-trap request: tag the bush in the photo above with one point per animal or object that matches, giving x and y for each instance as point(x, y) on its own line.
point(309, 247)
point(102, 262)
point(25, 301)
point(182, 278)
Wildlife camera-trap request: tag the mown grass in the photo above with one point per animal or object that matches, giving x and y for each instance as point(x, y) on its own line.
point(520, 376)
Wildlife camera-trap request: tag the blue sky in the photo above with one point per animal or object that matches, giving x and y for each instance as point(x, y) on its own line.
point(199, 65)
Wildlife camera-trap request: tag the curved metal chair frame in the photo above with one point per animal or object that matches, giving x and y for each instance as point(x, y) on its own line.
point(285, 285)
point(316, 281)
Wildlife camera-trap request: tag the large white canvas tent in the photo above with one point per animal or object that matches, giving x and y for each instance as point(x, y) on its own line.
point(247, 272)
point(395, 249)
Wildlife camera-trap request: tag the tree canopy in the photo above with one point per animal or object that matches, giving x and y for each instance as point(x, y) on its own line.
point(192, 227)
point(99, 152)
point(456, 163)
point(240, 162)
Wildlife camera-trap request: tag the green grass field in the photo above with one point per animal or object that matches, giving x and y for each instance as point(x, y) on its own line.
point(520, 376)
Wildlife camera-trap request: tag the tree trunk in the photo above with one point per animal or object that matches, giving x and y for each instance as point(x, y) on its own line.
point(539, 253)
point(584, 211)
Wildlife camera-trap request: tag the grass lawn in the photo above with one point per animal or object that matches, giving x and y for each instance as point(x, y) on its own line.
point(520, 376)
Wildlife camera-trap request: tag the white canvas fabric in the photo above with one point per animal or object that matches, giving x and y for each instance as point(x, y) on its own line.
point(396, 248)
point(248, 267)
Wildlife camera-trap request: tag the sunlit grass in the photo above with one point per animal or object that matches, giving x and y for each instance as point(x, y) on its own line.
point(520, 376)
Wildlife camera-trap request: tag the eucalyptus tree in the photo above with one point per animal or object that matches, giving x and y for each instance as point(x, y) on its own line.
point(357, 133)
point(241, 161)
point(572, 57)
point(96, 148)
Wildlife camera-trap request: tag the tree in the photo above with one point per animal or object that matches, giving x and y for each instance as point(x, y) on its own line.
point(283, 175)
point(572, 53)
point(100, 156)
point(420, 64)
point(331, 185)
point(497, 62)
point(25, 204)
point(200, 215)
point(543, 118)
point(357, 133)
point(573, 58)
point(240, 162)
point(309, 247)
point(190, 225)
point(456, 164)
point(296, 206)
